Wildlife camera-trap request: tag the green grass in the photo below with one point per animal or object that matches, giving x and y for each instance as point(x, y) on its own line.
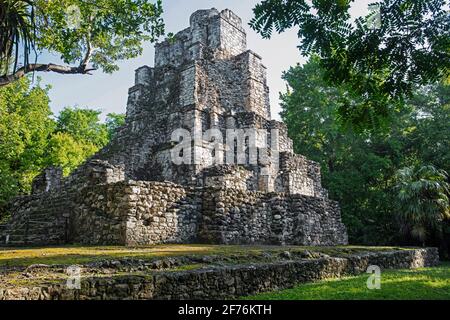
point(187, 267)
point(417, 284)
point(68, 255)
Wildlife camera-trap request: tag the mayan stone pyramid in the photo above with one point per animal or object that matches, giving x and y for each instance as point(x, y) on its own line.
point(168, 177)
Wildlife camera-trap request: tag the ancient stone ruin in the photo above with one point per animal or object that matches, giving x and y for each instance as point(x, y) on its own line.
point(133, 192)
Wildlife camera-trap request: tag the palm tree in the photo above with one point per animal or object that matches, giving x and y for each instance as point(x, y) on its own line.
point(423, 194)
point(17, 27)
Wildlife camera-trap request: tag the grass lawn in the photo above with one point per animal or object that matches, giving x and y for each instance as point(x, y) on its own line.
point(418, 284)
point(68, 255)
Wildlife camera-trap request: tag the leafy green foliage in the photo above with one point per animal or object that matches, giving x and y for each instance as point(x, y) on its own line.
point(25, 126)
point(30, 139)
point(113, 122)
point(423, 194)
point(359, 169)
point(89, 34)
point(377, 66)
point(110, 30)
point(68, 152)
point(83, 125)
point(16, 27)
point(79, 134)
point(429, 133)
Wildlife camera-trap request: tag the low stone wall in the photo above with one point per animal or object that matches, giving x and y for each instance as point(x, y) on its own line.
point(300, 176)
point(234, 216)
point(161, 213)
point(226, 282)
point(100, 215)
point(136, 212)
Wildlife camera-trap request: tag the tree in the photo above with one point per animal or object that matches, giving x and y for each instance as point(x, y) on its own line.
point(113, 122)
point(356, 168)
point(423, 193)
point(359, 169)
point(79, 134)
point(25, 126)
point(88, 34)
point(30, 139)
point(83, 125)
point(68, 152)
point(16, 26)
point(381, 63)
point(428, 136)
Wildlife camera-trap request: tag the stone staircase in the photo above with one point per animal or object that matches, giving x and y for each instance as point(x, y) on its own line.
point(37, 228)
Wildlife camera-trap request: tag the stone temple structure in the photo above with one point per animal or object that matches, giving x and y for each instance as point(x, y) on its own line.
point(133, 193)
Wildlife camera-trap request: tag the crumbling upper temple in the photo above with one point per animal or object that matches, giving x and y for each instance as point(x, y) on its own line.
point(198, 160)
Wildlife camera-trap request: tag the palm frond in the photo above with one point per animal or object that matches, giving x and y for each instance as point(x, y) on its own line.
point(423, 194)
point(17, 33)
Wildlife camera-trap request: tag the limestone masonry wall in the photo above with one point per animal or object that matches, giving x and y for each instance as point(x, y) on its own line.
point(162, 213)
point(234, 216)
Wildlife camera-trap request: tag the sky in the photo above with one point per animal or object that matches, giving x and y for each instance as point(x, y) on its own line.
point(108, 92)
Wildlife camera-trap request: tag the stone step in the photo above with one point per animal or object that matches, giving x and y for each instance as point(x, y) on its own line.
point(40, 222)
point(41, 216)
point(15, 235)
point(19, 241)
point(23, 233)
point(23, 224)
point(31, 229)
point(16, 243)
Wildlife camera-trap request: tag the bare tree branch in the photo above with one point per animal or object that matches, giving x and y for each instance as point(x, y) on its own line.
point(35, 67)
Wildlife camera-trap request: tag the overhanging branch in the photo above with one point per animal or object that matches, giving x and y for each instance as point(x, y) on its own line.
point(36, 67)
